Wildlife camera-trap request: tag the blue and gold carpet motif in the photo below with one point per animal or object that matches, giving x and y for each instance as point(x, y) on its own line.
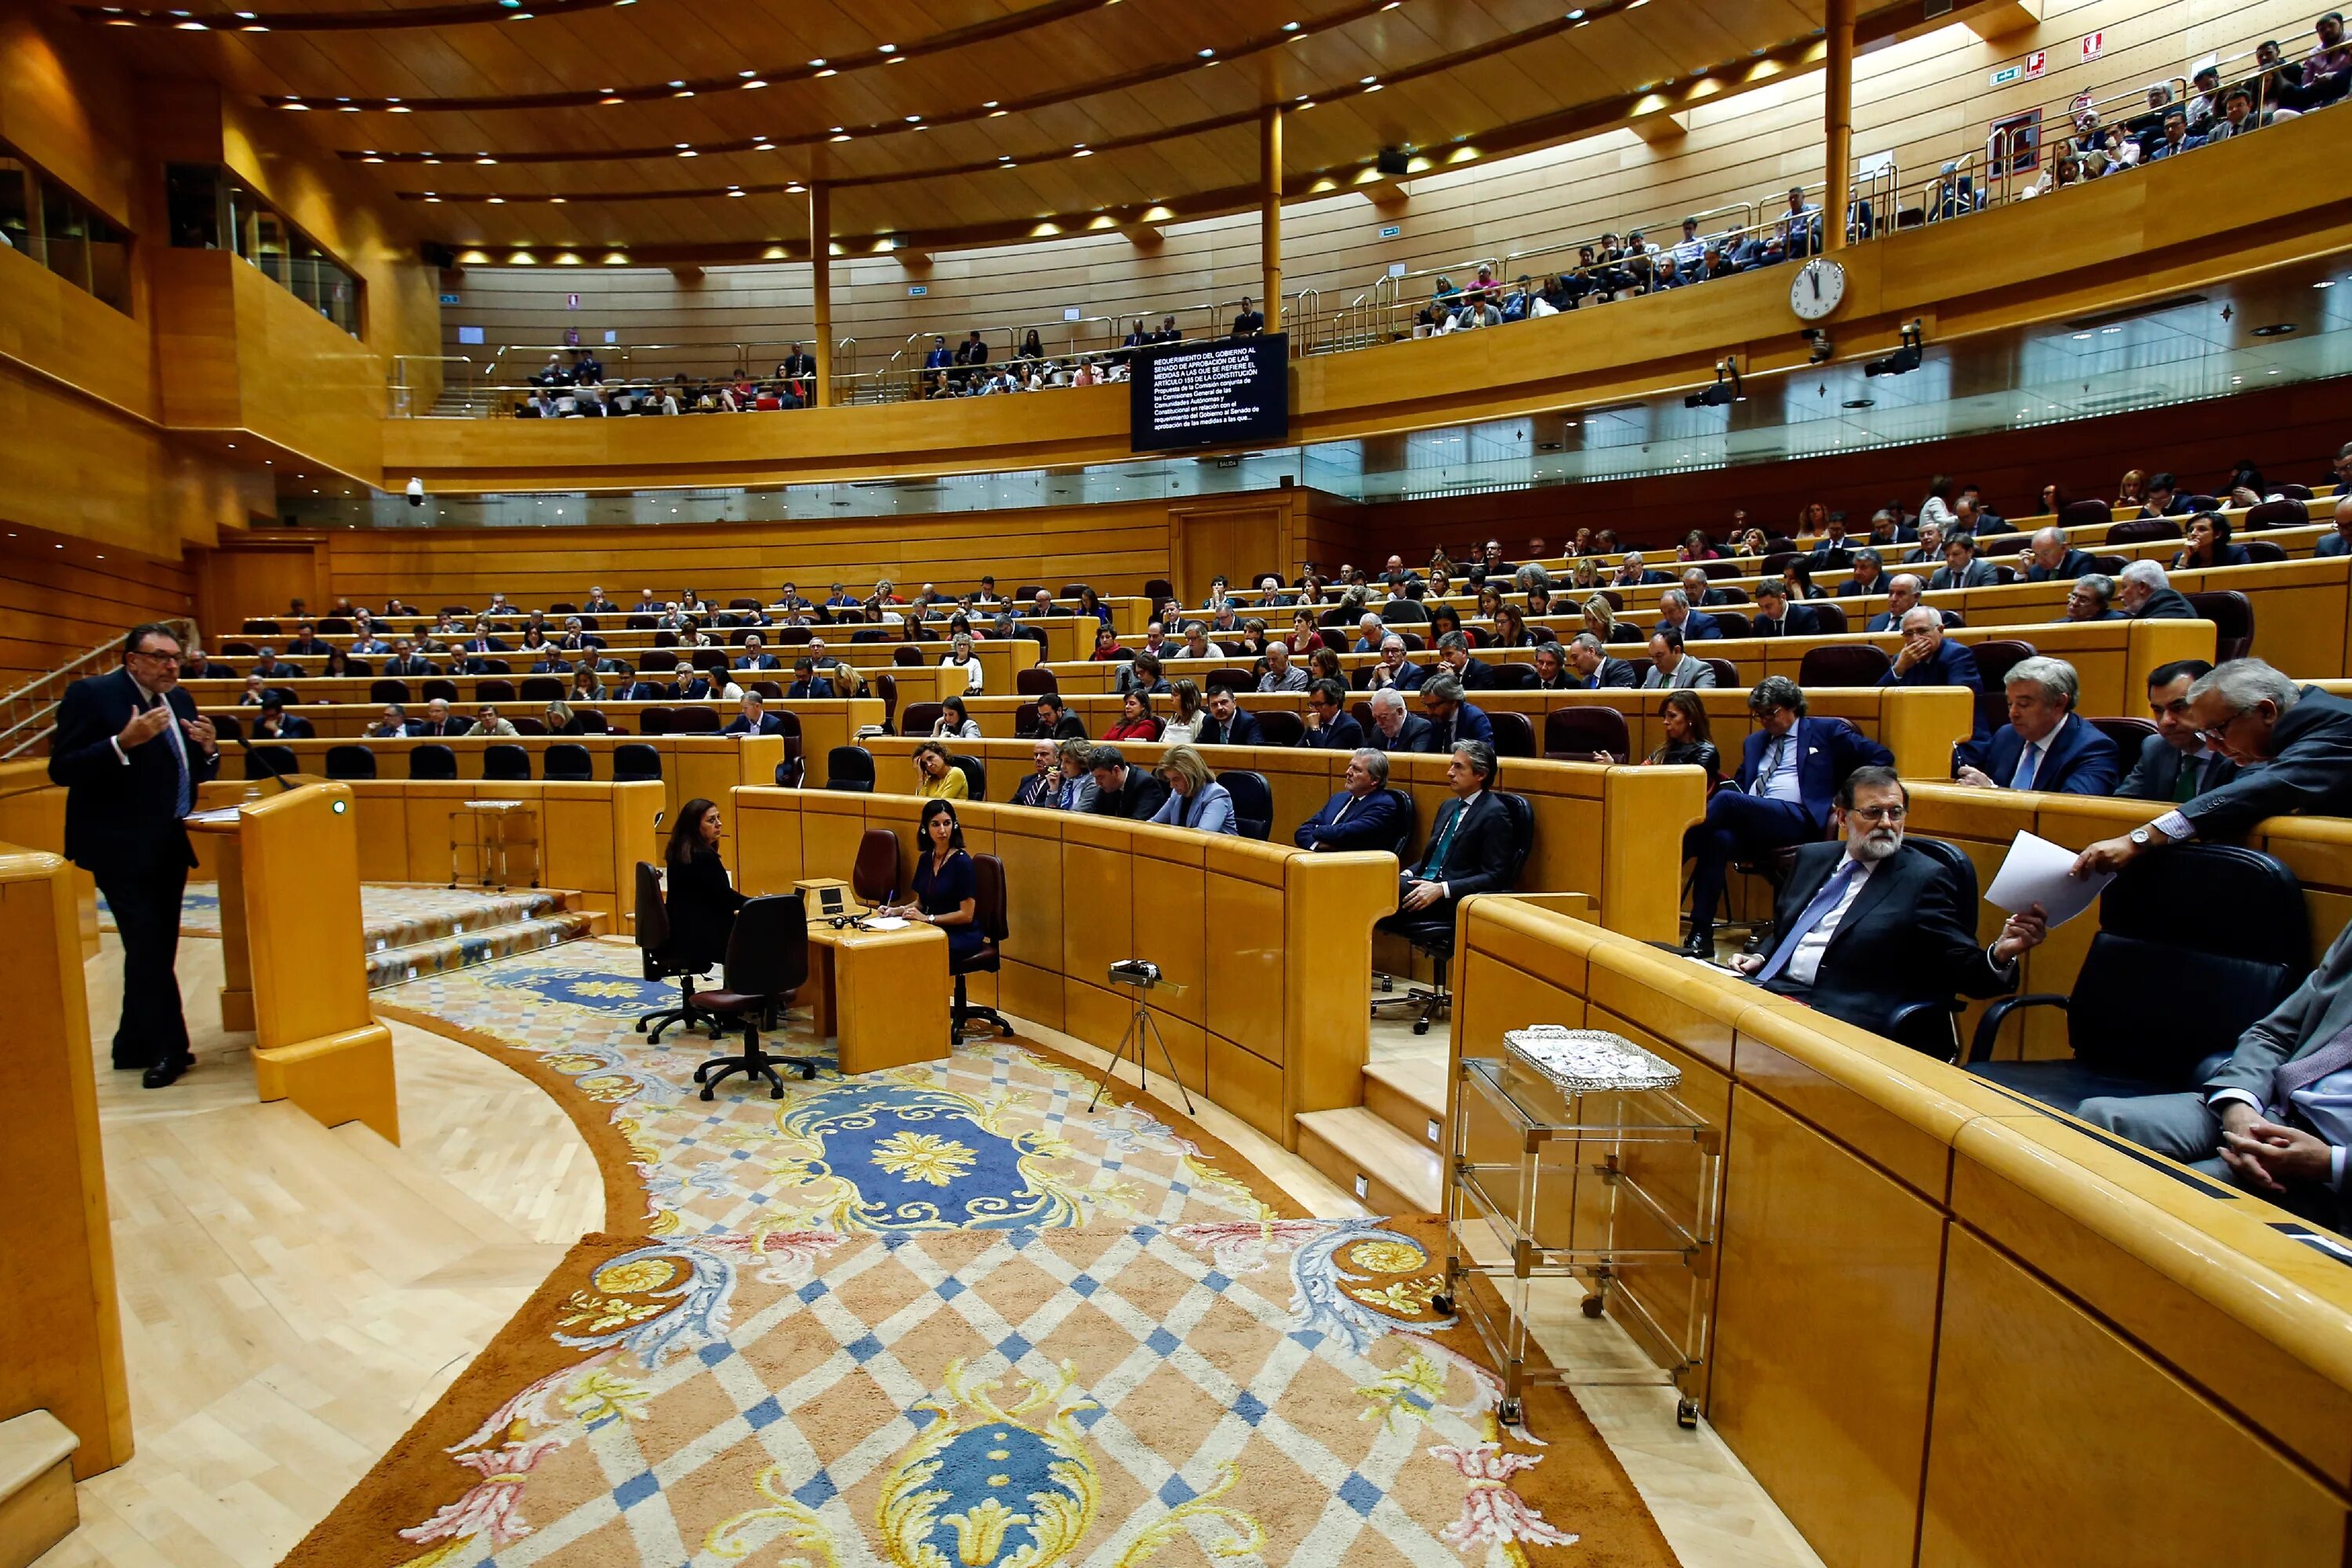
point(942, 1317)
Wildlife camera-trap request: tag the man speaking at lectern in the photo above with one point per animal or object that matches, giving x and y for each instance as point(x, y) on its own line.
point(130, 751)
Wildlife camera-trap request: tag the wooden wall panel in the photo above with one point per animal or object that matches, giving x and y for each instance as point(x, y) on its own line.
point(56, 604)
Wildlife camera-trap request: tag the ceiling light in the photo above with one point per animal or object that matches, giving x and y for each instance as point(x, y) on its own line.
point(2082, 337)
point(843, 137)
point(678, 84)
point(559, 201)
point(734, 190)
point(486, 158)
point(886, 49)
point(1291, 27)
point(498, 201)
point(608, 99)
point(399, 108)
point(2325, 283)
point(1374, 87)
point(2105, 331)
point(914, 120)
point(753, 85)
point(1577, 14)
point(747, 73)
point(828, 71)
point(2276, 329)
point(1206, 54)
point(1367, 80)
point(996, 113)
point(819, 63)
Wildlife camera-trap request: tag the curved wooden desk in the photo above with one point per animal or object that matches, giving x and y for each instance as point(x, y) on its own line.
point(1953, 1327)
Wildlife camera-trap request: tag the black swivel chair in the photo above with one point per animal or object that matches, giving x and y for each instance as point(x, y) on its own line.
point(1253, 801)
point(350, 763)
point(568, 762)
point(850, 769)
point(270, 761)
point(507, 763)
point(660, 963)
point(1433, 934)
point(1931, 1025)
point(2162, 996)
point(975, 775)
point(987, 914)
point(432, 760)
point(635, 761)
point(767, 961)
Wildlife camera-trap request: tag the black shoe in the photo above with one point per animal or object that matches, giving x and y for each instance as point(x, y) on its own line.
point(163, 1074)
point(1700, 944)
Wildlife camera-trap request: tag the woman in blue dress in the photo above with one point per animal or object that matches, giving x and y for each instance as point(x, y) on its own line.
point(947, 889)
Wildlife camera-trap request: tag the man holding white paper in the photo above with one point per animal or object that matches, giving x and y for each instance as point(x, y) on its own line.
point(1865, 928)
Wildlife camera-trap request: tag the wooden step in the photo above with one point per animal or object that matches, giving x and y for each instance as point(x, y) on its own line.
point(37, 1489)
point(1408, 1092)
point(1382, 1167)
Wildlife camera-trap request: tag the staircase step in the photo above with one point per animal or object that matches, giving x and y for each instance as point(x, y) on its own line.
point(1408, 1092)
point(408, 914)
point(1385, 1169)
point(37, 1489)
point(463, 950)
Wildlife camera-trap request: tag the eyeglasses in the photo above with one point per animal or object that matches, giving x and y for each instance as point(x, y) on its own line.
point(2213, 737)
point(172, 658)
point(1879, 813)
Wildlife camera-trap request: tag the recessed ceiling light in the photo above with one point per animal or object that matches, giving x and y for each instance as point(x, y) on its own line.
point(2276, 329)
point(914, 120)
point(819, 62)
point(2103, 331)
point(1291, 27)
point(843, 137)
point(1577, 14)
point(2325, 283)
point(1859, 403)
point(1367, 80)
point(753, 85)
point(2082, 337)
point(1206, 54)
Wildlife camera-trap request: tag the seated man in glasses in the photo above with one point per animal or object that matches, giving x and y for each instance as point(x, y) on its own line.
point(1863, 927)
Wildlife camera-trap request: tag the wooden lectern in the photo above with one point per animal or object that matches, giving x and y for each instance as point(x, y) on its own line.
point(293, 963)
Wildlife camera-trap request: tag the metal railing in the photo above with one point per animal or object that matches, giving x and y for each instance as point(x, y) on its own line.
point(28, 714)
point(1999, 169)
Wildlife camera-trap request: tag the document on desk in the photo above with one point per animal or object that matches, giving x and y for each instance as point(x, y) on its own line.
point(2040, 872)
point(217, 815)
point(887, 922)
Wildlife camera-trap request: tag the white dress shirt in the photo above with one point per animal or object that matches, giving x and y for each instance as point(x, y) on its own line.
point(1778, 778)
point(1805, 963)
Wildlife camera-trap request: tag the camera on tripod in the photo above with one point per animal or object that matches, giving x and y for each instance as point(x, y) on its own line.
point(1141, 974)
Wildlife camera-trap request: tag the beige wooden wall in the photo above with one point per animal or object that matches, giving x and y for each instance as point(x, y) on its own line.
point(1925, 100)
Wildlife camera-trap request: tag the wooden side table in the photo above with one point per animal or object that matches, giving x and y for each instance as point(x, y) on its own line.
point(492, 827)
point(886, 994)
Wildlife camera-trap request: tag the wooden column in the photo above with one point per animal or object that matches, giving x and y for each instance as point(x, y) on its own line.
point(820, 284)
point(1837, 125)
point(1269, 214)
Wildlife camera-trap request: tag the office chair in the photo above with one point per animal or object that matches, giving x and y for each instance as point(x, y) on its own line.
point(767, 961)
point(1433, 933)
point(660, 963)
point(988, 914)
point(851, 769)
point(874, 874)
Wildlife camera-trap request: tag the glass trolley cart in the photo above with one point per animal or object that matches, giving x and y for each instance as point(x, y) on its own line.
point(1573, 1159)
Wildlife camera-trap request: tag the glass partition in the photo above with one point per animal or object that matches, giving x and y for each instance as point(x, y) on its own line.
point(211, 210)
point(57, 229)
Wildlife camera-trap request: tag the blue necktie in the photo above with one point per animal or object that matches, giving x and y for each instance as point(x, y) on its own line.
point(1824, 902)
point(2027, 767)
point(1436, 862)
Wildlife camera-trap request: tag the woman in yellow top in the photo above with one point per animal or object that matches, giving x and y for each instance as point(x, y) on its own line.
point(936, 778)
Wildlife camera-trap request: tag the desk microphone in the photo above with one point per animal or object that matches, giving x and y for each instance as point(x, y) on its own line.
point(268, 763)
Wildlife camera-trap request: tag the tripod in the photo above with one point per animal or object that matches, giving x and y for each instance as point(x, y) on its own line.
point(1136, 1028)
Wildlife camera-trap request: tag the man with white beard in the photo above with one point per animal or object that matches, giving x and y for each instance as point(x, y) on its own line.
point(1867, 926)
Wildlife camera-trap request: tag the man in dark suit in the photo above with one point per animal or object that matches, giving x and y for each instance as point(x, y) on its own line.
point(306, 642)
point(1631, 574)
point(2271, 1118)
point(2143, 592)
point(277, 724)
point(1228, 724)
point(1451, 719)
point(1674, 610)
point(754, 657)
point(1929, 657)
point(807, 683)
point(2051, 558)
point(2089, 598)
point(597, 604)
point(1469, 848)
point(1124, 791)
point(1701, 592)
point(1395, 668)
point(551, 662)
point(1043, 787)
point(2174, 764)
point(1394, 729)
point(269, 667)
point(689, 684)
point(1902, 593)
point(1863, 927)
point(438, 722)
point(2045, 745)
point(2302, 737)
point(1056, 720)
point(406, 661)
point(1454, 654)
point(1330, 726)
point(1789, 771)
point(131, 751)
point(1590, 668)
point(753, 720)
point(392, 725)
point(1777, 617)
point(1366, 814)
point(1832, 550)
point(1869, 570)
point(1961, 569)
point(481, 643)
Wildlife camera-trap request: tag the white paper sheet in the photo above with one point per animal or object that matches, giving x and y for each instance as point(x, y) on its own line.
point(217, 813)
point(2037, 872)
point(887, 922)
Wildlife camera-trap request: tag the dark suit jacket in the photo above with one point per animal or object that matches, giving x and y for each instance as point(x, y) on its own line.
point(769, 725)
point(2310, 771)
point(410, 665)
point(690, 691)
point(1905, 939)
point(1697, 626)
point(1827, 750)
point(1142, 797)
point(281, 670)
point(428, 730)
point(1412, 735)
point(1953, 664)
point(2072, 564)
point(551, 665)
point(1469, 724)
point(1372, 822)
point(1479, 858)
point(1825, 556)
point(1244, 732)
point(290, 727)
point(2156, 774)
point(1409, 676)
point(1070, 728)
point(1341, 734)
point(764, 661)
point(1850, 589)
point(2081, 761)
point(644, 691)
point(801, 690)
point(701, 904)
point(119, 817)
point(2166, 604)
point(483, 645)
point(1980, 575)
point(1612, 672)
point(1476, 675)
point(1799, 622)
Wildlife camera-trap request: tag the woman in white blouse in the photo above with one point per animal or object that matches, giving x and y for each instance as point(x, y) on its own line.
point(1186, 713)
point(961, 657)
point(956, 723)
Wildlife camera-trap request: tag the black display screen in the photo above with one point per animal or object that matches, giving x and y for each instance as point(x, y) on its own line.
point(1224, 392)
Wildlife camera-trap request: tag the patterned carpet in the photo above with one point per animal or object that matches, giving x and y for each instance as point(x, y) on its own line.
point(941, 1317)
